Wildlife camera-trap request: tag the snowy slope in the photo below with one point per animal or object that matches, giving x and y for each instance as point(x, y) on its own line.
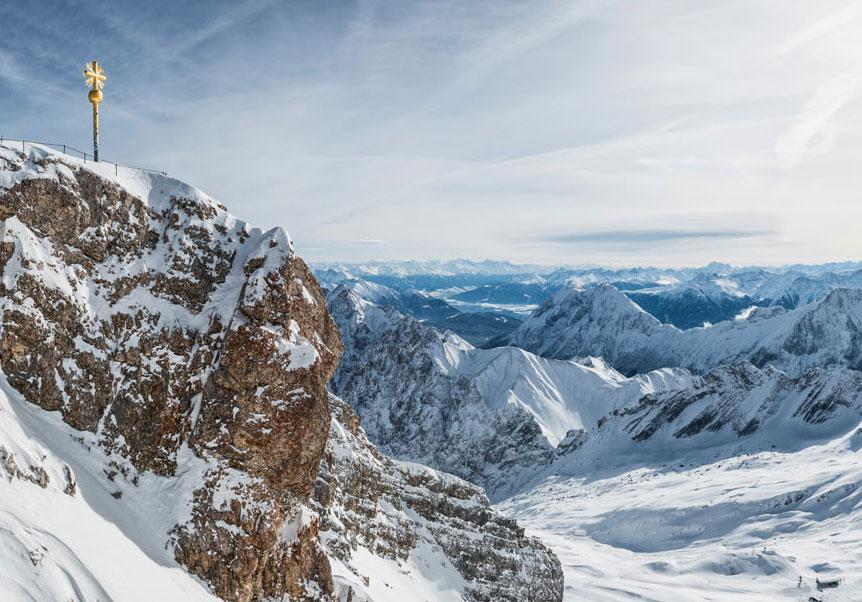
point(728, 489)
point(560, 395)
point(695, 528)
point(65, 542)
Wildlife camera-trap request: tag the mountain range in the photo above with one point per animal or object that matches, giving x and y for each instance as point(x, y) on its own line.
point(629, 442)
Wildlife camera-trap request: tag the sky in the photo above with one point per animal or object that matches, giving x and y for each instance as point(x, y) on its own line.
point(582, 132)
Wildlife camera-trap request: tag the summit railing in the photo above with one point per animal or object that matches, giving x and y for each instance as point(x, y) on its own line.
point(67, 149)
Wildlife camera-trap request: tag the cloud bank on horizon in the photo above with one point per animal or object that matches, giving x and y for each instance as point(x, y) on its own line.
point(660, 133)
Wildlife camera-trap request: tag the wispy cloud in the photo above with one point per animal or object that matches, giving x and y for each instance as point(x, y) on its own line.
point(377, 129)
point(811, 134)
point(367, 241)
point(816, 30)
point(650, 236)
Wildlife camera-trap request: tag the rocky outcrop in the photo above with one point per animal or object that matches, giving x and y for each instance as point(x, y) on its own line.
point(188, 345)
point(405, 511)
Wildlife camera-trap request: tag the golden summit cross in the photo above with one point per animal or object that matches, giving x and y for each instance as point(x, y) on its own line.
point(94, 77)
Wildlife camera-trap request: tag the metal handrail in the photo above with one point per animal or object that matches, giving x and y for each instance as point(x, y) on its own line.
point(66, 148)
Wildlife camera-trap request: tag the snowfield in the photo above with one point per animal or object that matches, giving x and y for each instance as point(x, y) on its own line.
point(744, 527)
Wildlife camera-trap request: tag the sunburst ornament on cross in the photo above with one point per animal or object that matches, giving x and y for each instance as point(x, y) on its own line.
point(94, 77)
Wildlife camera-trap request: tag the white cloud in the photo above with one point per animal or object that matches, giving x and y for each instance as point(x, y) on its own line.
point(817, 30)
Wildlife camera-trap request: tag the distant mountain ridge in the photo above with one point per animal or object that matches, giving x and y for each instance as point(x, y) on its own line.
point(604, 322)
point(728, 456)
point(684, 297)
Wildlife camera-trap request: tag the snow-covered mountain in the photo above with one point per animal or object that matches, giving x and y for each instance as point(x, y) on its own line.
point(165, 426)
point(733, 405)
point(166, 431)
point(737, 483)
point(706, 298)
point(678, 496)
point(491, 416)
point(447, 267)
point(601, 321)
point(683, 297)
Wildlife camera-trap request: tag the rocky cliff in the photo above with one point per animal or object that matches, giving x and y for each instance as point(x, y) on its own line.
point(188, 346)
point(423, 521)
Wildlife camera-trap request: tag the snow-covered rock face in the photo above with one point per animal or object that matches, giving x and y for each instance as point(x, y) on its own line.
point(143, 312)
point(736, 404)
point(192, 353)
point(576, 322)
point(435, 536)
point(401, 376)
point(603, 322)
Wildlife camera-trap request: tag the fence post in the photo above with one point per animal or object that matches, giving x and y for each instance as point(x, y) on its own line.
point(116, 170)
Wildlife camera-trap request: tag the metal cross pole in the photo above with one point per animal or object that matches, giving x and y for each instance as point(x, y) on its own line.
point(94, 76)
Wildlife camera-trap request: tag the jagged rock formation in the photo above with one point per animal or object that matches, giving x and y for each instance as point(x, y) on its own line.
point(739, 407)
point(399, 375)
point(367, 500)
point(162, 321)
point(190, 346)
point(742, 398)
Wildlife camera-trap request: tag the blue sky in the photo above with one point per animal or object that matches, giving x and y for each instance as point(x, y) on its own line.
point(662, 132)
